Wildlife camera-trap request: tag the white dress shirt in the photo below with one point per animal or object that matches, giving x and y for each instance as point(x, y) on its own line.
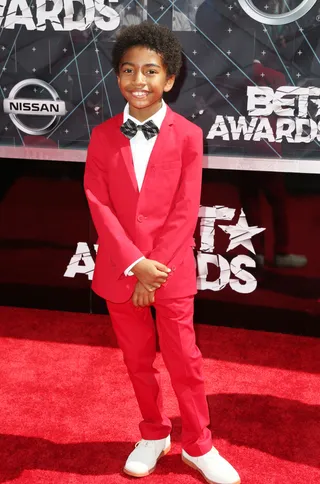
point(141, 149)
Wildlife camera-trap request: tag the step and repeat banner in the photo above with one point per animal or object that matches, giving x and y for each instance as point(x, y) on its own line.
point(250, 80)
point(250, 77)
point(257, 245)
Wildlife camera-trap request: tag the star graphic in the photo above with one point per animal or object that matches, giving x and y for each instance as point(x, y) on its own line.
point(317, 103)
point(241, 233)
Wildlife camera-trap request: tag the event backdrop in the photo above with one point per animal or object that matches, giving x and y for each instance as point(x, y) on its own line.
point(257, 245)
point(250, 78)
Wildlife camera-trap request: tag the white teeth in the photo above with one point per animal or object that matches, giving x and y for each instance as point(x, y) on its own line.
point(140, 94)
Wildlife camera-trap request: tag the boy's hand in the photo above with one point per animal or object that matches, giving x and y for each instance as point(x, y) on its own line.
point(151, 273)
point(142, 297)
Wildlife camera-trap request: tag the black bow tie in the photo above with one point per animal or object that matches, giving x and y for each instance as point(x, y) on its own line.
point(130, 129)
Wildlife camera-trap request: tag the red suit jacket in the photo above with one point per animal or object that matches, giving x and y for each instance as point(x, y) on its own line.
point(159, 221)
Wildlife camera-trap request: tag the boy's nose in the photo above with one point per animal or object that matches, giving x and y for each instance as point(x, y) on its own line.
point(139, 79)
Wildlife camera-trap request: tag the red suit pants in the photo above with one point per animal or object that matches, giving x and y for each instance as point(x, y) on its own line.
point(136, 335)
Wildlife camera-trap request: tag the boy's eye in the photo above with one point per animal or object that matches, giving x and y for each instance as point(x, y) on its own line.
point(152, 71)
point(128, 70)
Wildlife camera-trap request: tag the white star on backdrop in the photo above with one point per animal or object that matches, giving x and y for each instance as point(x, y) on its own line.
point(317, 103)
point(241, 233)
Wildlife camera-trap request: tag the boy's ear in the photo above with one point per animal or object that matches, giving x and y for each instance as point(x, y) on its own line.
point(169, 84)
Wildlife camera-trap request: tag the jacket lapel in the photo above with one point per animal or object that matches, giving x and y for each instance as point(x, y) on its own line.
point(125, 150)
point(162, 141)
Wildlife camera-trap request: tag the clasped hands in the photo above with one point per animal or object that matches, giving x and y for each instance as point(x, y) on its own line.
point(151, 274)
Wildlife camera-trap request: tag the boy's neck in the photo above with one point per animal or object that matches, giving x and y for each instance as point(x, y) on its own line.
point(145, 113)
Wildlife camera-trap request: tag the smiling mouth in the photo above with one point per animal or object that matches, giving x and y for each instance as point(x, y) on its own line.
point(139, 94)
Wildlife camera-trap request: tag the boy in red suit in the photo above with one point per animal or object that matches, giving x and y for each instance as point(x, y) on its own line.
point(143, 184)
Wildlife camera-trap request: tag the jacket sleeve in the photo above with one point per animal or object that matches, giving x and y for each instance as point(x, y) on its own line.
point(111, 234)
point(182, 219)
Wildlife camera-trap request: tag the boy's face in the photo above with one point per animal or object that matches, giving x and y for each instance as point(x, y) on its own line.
point(142, 80)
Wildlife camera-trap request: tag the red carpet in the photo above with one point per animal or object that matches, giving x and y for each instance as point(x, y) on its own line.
point(68, 413)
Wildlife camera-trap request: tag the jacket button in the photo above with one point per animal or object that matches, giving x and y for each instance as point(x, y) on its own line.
point(173, 268)
point(140, 218)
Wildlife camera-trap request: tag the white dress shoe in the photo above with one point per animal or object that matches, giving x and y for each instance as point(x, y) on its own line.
point(143, 459)
point(214, 468)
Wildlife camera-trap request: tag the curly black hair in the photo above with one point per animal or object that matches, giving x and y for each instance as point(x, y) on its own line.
point(155, 37)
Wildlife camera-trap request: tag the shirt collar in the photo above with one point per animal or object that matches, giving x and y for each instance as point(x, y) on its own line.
point(157, 118)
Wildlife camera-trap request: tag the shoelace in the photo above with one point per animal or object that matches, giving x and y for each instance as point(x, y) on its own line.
point(143, 442)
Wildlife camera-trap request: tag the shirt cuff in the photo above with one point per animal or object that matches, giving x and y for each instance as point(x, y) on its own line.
point(128, 271)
